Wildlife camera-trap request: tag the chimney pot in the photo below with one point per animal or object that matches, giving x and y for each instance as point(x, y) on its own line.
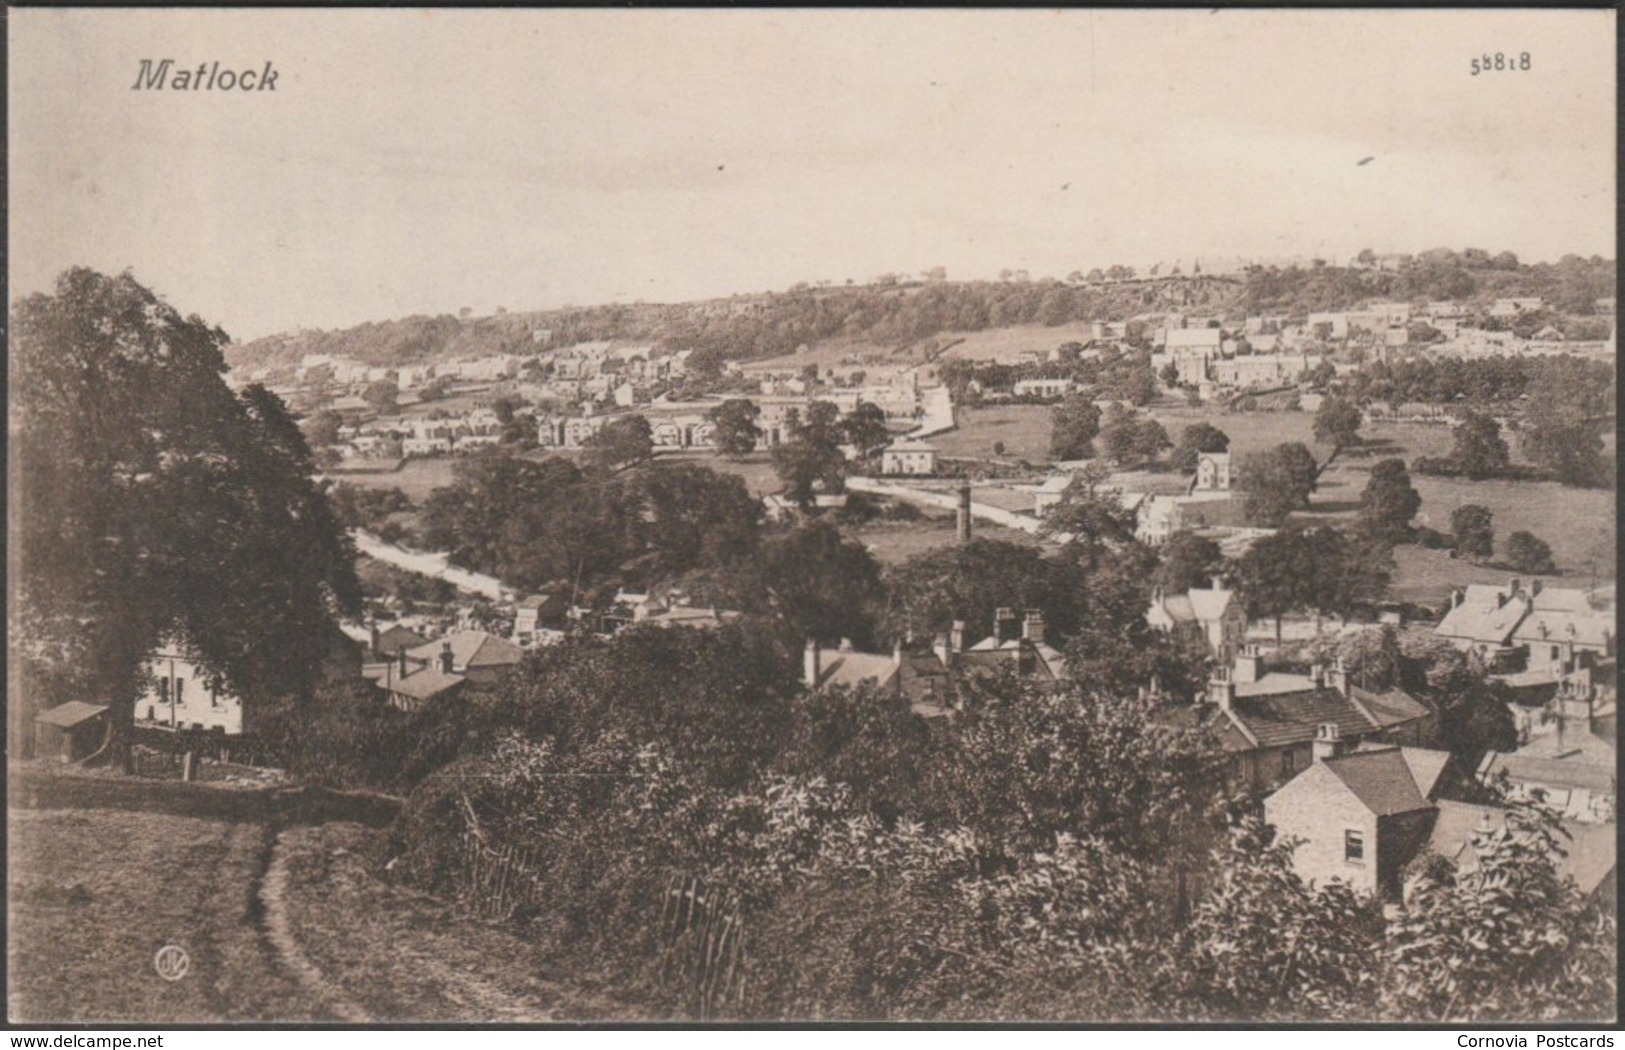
point(956, 637)
point(1328, 739)
point(846, 645)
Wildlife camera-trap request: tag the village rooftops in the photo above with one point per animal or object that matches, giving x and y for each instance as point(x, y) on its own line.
point(1589, 850)
point(470, 649)
point(425, 683)
point(1386, 780)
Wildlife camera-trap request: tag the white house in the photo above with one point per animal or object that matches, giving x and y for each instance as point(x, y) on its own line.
point(180, 694)
point(909, 458)
point(1213, 472)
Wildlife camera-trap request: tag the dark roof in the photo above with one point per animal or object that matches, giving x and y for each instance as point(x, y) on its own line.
point(70, 714)
point(425, 683)
point(470, 649)
point(1382, 780)
point(397, 638)
point(1292, 718)
point(1392, 707)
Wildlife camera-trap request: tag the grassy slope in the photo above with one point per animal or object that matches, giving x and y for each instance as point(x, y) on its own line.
point(95, 893)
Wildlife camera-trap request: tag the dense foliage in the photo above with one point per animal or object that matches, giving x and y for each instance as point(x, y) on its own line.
point(158, 500)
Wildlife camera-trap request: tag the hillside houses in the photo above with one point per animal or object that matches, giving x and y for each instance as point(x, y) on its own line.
point(1551, 631)
point(1268, 721)
point(929, 678)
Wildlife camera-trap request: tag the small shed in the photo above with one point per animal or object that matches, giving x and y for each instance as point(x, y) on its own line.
point(70, 731)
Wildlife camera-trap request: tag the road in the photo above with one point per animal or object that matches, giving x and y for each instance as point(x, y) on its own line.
point(431, 563)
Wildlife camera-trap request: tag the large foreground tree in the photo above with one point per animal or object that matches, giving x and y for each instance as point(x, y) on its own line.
point(151, 498)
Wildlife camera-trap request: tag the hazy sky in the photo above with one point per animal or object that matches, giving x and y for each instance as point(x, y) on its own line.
point(421, 161)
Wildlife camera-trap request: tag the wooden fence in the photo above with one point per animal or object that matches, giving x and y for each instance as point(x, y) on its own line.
point(702, 941)
point(494, 882)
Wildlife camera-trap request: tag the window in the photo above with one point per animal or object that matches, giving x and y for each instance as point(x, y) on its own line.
point(1289, 763)
point(1354, 846)
point(180, 686)
point(163, 690)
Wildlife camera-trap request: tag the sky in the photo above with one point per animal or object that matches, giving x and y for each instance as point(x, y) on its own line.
point(426, 161)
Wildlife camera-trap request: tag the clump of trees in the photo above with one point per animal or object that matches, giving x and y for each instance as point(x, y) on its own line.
point(159, 500)
point(1073, 426)
point(1275, 482)
point(1526, 552)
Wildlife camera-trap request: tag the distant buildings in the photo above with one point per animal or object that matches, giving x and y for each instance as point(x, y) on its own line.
point(1212, 615)
point(1549, 630)
point(1269, 721)
point(909, 458)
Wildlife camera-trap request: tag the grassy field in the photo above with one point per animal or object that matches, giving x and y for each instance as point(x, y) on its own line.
point(1016, 343)
point(893, 543)
point(1024, 429)
point(417, 477)
point(93, 895)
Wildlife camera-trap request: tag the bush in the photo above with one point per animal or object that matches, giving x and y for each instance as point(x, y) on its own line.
point(1526, 552)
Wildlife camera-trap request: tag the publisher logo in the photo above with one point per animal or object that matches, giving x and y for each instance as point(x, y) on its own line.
point(171, 962)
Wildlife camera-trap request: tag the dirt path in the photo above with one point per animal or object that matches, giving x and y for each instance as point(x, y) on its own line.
point(273, 891)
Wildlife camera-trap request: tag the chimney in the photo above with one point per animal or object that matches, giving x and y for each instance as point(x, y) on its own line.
point(956, 637)
point(1250, 664)
point(1317, 675)
point(1339, 677)
point(372, 633)
point(897, 653)
point(1456, 596)
point(810, 669)
point(1328, 739)
point(1218, 583)
point(1004, 620)
point(1222, 689)
point(939, 645)
point(445, 657)
point(401, 653)
point(1032, 628)
point(962, 517)
point(846, 645)
point(1534, 587)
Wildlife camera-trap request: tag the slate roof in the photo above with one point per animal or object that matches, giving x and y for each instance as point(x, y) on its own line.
point(1393, 707)
point(1478, 618)
point(70, 714)
point(397, 638)
point(1278, 719)
point(1550, 625)
point(425, 683)
point(470, 649)
point(1381, 780)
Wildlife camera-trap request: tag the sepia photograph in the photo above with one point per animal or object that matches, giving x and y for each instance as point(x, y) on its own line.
point(721, 516)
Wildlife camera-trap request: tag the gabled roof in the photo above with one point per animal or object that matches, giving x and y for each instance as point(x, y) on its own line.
point(426, 682)
point(1381, 780)
point(396, 638)
point(1549, 625)
point(1480, 619)
point(471, 649)
point(1292, 718)
point(1209, 605)
point(70, 714)
point(1392, 707)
